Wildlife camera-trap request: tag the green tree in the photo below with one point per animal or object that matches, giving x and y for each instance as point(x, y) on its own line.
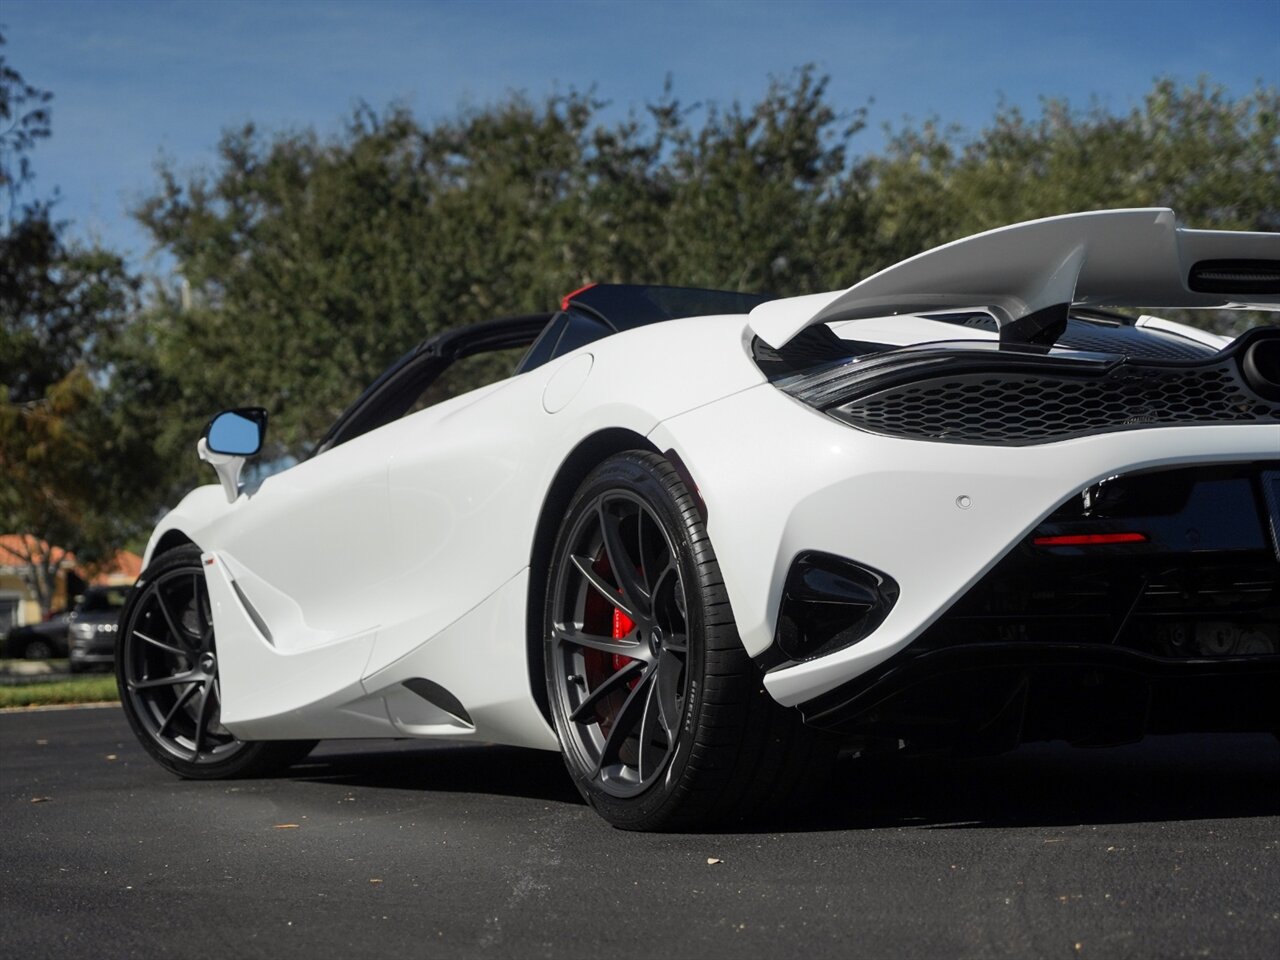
point(1214, 159)
point(24, 120)
point(67, 474)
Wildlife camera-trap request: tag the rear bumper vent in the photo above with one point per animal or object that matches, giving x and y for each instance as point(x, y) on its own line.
point(829, 603)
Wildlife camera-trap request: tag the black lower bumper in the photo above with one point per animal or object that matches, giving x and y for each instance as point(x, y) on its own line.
point(991, 697)
point(1149, 603)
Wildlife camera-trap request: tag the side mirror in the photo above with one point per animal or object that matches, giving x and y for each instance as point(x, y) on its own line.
point(238, 433)
point(227, 439)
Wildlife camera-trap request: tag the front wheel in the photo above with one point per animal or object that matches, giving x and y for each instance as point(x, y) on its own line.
point(167, 672)
point(37, 648)
point(662, 716)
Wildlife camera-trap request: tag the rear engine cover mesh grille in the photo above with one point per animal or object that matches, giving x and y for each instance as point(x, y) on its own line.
point(1132, 342)
point(1020, 408)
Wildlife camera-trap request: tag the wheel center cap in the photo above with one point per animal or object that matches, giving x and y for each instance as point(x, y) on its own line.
point(655, 640)
point(208, 663)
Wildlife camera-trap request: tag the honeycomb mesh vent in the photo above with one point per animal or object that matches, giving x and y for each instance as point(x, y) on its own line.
point(1132, 342)
point(1018, 408)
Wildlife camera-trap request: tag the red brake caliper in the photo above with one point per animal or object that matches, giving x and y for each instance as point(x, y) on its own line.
point(622, 627)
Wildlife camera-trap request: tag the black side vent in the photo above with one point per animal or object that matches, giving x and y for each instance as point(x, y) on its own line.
point(438, 696)
point(829, 603)
point(1236, 277)
point(253, 613)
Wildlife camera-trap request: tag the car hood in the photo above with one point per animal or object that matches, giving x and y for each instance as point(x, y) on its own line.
point(1111, 258)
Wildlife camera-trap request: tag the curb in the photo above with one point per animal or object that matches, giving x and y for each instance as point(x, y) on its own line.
point(43, 708)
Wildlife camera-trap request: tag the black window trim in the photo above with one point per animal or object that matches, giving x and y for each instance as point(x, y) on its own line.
point(394, 392)
point(391, 395)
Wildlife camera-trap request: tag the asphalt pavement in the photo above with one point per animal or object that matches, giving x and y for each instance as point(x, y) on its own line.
point(1168, 848)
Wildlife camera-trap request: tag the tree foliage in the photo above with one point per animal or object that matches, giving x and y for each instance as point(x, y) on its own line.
point(1213, 159)
point(24, 120)
point(67, 471)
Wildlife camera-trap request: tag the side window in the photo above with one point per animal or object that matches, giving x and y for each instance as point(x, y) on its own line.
point(571, 330)
point(542, 348)
point(436, 370)
point(581, 330)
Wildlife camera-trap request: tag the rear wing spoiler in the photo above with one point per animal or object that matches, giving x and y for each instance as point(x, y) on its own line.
point(1029, 275)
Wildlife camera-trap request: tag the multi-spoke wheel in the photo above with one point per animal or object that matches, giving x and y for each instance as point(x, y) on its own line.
point(660, 712)
point(620, 642)
point(167, 671)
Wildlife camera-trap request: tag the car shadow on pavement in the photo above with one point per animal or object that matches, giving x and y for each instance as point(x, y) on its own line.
point(446, 768)
point(1161, 779)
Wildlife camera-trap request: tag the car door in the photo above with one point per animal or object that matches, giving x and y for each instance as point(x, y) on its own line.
point(315, 549)
point(305, 547)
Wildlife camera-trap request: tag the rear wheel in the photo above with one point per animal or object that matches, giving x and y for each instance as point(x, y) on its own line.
point(661, 714)
point(167, 672)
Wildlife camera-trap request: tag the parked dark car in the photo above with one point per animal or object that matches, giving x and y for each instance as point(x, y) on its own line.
point(92, 631)
point(40, 641)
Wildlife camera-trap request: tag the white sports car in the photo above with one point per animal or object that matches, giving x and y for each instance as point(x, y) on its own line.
point(700, 541)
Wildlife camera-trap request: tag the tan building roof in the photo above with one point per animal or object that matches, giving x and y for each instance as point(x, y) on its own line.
point(16, 547)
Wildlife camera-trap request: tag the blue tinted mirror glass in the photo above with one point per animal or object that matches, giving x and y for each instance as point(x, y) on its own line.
point(235, 434)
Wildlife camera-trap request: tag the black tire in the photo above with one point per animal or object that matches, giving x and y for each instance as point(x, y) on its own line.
point(662, 716)
point(166, 669)
point(37, 648)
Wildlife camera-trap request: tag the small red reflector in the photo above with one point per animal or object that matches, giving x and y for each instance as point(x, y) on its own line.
point(1089, 539)
point(564, 301)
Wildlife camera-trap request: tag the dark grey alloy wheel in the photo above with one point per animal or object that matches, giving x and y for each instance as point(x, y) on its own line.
point(167, 672)
point(661, 715)
point(619, 642)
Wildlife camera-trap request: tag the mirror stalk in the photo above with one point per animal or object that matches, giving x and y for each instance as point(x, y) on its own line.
point(226, 466)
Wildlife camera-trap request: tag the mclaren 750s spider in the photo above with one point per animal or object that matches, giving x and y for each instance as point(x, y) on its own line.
point(701, 541)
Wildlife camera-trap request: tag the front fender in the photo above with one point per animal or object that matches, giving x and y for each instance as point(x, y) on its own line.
point(193, 515)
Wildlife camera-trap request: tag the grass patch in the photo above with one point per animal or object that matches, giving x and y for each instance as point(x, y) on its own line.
point(90, 689)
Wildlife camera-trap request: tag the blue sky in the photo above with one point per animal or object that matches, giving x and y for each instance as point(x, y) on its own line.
point(133, 81)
